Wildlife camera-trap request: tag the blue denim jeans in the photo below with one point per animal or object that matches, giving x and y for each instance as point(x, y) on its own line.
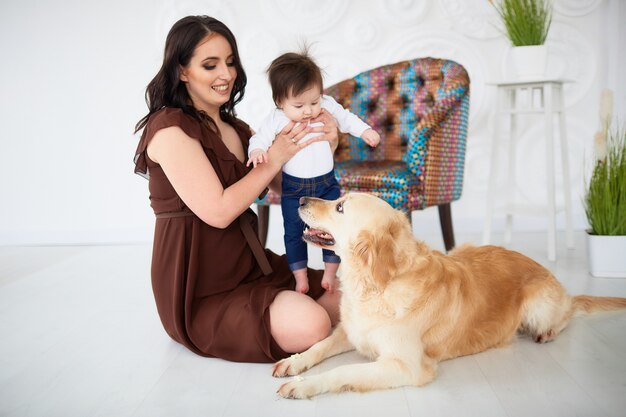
point(326, 187)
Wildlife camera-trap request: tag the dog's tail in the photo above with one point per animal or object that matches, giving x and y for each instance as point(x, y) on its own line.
point(590, 303)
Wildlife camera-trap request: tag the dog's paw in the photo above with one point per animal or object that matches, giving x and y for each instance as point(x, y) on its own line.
point(293, 365)
point(545, 337)
point(299, 388)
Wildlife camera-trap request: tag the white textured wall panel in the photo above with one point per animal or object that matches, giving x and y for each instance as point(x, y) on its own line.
point(74, 76)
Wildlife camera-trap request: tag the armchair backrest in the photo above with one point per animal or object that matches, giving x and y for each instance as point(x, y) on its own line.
point(401, 100)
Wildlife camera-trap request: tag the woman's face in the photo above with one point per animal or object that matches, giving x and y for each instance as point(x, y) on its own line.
point(210, 74)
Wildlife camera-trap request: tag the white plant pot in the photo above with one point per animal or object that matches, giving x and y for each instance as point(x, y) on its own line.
point(529, 62)
point(607, 256)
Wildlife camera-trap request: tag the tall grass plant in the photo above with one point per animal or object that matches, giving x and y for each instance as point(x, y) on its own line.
point(526, 22)
point(605, 200)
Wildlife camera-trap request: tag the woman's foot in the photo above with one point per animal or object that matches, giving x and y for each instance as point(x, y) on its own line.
point(302, 281)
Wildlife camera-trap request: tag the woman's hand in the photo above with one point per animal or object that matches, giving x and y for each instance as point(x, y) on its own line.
point(286, 145)
point(329, 130)
point(287, 142)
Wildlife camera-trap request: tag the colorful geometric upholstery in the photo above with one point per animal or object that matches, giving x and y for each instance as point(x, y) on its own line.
point(420, 109)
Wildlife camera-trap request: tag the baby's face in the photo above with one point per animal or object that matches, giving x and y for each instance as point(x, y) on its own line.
point(303, 107)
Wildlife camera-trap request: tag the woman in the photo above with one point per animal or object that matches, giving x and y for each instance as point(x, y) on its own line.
point(216, 290)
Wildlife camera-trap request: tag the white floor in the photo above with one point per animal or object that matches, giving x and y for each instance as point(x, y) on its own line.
point(80, 336)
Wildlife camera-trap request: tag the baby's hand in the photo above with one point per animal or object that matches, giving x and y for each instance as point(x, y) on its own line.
point(257, 156)
point(371, 137)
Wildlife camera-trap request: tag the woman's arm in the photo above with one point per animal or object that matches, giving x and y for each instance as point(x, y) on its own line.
point(277, 183)
point(193, 177)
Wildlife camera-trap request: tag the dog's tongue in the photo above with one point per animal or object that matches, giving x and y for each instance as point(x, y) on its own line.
point(318, 236)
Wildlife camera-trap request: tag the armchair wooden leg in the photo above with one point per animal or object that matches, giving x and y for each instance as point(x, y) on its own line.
point(264, 220)
point(445, 218)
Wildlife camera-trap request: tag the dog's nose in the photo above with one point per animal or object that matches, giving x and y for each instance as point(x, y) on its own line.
point(303, 201)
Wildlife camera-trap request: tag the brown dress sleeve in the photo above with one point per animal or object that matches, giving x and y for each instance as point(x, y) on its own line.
point(162, 119)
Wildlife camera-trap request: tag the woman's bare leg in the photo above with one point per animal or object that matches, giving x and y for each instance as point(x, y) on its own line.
point(297, 321)
point(330, 302)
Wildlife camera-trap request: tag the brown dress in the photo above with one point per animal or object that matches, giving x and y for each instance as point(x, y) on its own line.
point(212, 292)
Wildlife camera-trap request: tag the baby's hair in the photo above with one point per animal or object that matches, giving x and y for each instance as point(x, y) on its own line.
point(293, 73)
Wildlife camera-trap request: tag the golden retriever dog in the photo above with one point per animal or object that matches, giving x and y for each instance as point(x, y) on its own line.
point(407, 307)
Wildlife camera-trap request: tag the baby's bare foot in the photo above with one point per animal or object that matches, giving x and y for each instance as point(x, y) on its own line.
point(329, 283)
point(302, 281)
point(329, 280)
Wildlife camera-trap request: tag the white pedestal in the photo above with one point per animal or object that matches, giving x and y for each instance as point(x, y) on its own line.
point(546, 98)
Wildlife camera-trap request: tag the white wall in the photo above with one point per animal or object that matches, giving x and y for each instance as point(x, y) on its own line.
point(73, 76)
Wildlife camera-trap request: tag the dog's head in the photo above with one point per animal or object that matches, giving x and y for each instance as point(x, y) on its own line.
point(365, 231)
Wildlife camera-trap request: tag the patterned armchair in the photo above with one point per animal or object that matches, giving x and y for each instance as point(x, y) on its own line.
point(420, 108)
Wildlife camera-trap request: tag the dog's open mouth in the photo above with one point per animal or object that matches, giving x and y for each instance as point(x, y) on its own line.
point(318, 237)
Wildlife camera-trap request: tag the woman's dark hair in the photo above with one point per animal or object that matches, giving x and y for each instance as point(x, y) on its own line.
point(167, 90)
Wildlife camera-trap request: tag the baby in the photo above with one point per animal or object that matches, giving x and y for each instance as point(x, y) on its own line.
point(297, 86)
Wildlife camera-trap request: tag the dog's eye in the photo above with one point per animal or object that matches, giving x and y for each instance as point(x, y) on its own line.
point(339, 208)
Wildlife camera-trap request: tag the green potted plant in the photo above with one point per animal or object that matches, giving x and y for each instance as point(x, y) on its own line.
point(605, 199)
point(526, 25)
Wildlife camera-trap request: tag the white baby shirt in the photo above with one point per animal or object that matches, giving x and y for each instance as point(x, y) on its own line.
point(317, 158)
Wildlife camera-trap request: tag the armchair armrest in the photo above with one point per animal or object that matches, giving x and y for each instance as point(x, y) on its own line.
point(433, 120)
point(436, 148)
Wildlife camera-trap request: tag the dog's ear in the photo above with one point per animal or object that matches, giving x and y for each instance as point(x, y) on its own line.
point(377, 253)
point(384, 261)
point(362, 248)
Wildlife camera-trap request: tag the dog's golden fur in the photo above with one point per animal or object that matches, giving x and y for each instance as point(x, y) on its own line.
point(408, 307)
